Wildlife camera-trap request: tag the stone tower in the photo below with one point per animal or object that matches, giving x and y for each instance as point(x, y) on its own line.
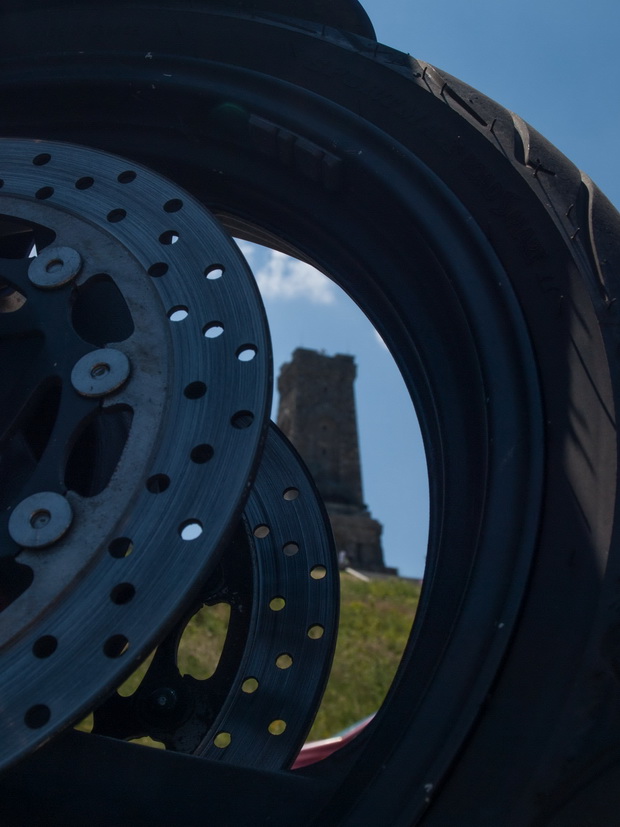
point(317, 413)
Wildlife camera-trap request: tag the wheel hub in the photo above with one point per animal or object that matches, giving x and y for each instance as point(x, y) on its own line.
point(134, 345)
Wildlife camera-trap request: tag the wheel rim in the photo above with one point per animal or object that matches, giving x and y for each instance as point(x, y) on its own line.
point(151, 394)
point(464, 273)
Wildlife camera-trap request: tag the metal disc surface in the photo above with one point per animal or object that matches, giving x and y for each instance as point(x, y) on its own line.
point(280, 579)
point(138, 270)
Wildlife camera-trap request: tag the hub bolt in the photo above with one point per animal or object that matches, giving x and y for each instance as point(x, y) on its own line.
point(163, 701)
point(54, 267)
point(40, 520)
point(100, 372)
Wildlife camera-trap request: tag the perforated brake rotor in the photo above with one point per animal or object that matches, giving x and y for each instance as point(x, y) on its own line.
point(286, 662)
point(135, 382)
point(280, 578)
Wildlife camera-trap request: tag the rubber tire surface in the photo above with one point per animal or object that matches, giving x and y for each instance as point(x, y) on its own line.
point(507, 708)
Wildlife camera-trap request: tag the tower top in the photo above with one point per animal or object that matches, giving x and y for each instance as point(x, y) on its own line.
point(317, 413)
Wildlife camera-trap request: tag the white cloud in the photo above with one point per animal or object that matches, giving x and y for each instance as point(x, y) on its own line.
point(285, 278)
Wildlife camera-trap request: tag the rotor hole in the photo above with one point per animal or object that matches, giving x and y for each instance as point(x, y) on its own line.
point(158, 483)
point(37, 716)
point(195, 390)
point(222, 740)
point(261, 531)
point(276, 604)
point(42, 159)
point(114, 216)
point(190, 529)
point(126, 177)
point(215, 271)
point(84, 183)
point(249, 686)
point(213, 330)
point(242, 419)
point(122, 593)
point(43, 193)
point(201, 453)
point(316, 632)
point(290, 494)
point(121, 547)
point(174, 205)
point(160, 268)
point(290, 549)
point(178, 313)
point(246, 353)
point(169, 237)
point(44, 646)
point(202, 642)
point(284, 661)
point(318, 572)
point(277, 727)
point(115, 646)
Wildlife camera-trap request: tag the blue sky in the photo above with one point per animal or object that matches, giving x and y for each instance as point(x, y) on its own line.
point(552, 62)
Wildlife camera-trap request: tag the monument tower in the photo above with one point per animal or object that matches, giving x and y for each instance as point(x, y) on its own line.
point(317, 413)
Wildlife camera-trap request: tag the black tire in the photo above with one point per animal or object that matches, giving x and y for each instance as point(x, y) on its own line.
point(489, 264)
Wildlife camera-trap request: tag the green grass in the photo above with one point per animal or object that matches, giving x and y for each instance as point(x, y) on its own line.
point(375, 620)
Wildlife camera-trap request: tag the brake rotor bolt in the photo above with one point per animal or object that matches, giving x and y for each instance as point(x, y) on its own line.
point(100, 372)
point(54, 267)
point(40, 520)
point(163, 700)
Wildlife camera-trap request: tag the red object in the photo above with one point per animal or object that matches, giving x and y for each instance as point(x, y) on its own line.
point(315, 751)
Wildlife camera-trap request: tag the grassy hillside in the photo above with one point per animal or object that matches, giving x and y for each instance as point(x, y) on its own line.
point(375, 620)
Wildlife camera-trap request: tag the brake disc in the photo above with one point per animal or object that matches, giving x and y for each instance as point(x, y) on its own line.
point(280, 579)
point(136, 376)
